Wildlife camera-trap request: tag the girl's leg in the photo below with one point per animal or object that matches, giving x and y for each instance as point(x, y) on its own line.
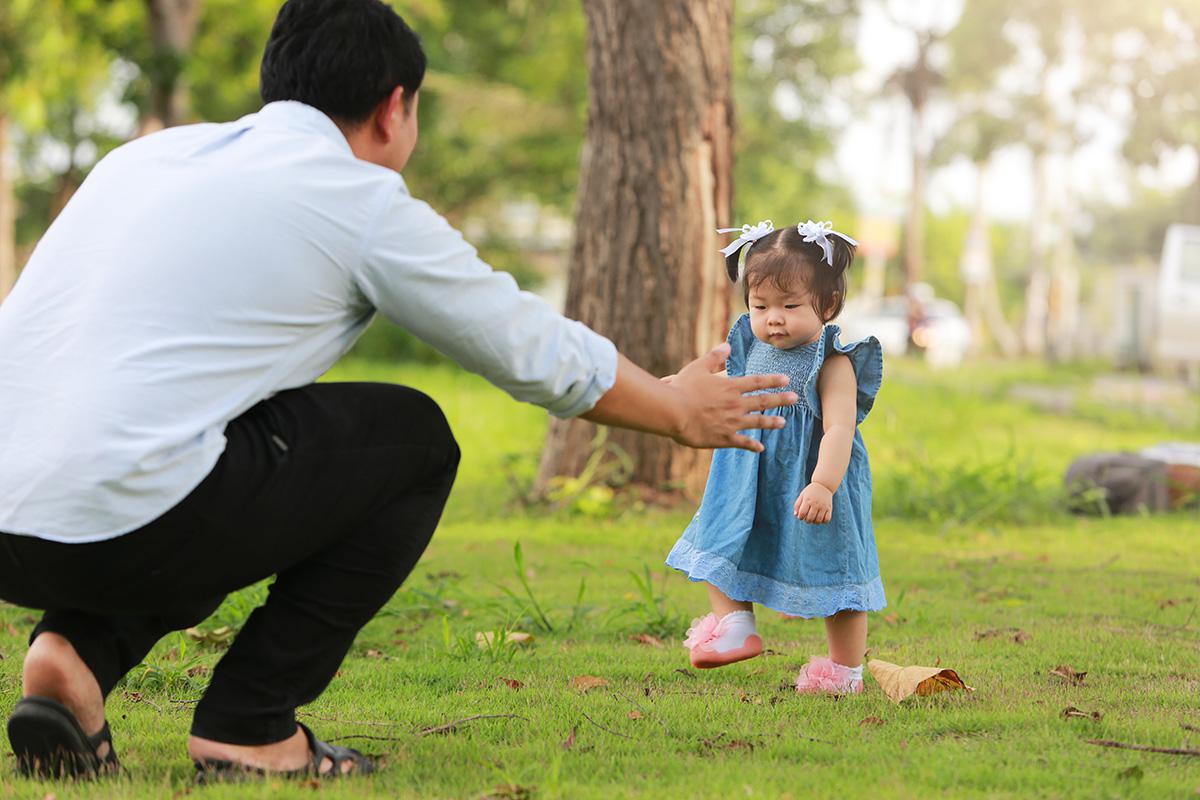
point(722, 605)
point(847, 634)
point(725, 636)
point(841, 673)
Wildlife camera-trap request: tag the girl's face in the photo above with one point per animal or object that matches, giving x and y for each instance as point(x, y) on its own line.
point(783, 319)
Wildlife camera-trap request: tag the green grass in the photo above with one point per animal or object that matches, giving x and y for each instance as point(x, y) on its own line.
point(973, 550)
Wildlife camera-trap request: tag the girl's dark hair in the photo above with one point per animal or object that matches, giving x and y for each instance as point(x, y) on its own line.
point(343, 57)
point(786, 260)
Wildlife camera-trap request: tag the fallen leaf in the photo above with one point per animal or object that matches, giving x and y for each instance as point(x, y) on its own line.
point(635, 714)
point(570, 740)
point(894, 619)
point(687, 673)
point(874, 721)
point(12, 630)
point(901, 682)
point(585, 683)
point(1072, 711)
point(374, 654)
point(1068, 674)
point(645, 638)
point(1021, 637)
point(219, 635)
point(198, 671)
point(513, 683)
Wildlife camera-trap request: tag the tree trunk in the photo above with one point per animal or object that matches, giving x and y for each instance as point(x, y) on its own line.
point(172, 29)
point(982, 306)
point(8, 213)
point(655, 183)
point(1062, 323)
point(1038, 289)
point(914, 245)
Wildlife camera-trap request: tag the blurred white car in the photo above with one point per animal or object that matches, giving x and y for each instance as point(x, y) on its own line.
point(1177, 337)
point(943, 334)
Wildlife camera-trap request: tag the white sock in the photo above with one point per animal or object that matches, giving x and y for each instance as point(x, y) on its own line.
point(735, 627)
point(855, 673)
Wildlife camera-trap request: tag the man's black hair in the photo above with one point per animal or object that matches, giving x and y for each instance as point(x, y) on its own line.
point(343, 57)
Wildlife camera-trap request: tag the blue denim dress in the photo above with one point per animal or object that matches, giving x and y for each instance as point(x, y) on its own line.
point(745, 538)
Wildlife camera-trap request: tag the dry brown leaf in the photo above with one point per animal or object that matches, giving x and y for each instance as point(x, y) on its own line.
point(585, 683)
point(1068, 674)
point(635, 714)
point(371, 653)
point(645, 638)
point(1072, 711)
point(1021, 637)
point(873, 721)
point(513, 683)
point(570, 740)
point(894, 619)
point(219, 635)
point(900, 682)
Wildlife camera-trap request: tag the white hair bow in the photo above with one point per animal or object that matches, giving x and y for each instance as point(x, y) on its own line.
point(749, 235)
point(819, 232)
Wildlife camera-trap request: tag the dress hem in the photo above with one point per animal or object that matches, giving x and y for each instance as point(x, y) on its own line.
point(791, 599)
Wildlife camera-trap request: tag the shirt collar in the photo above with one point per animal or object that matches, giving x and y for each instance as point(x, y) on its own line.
point(299, 116)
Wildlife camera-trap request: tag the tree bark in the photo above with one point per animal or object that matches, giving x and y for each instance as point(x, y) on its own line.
point(982, 306)
point(8, 213)
point(172, 30)
point(655, 183)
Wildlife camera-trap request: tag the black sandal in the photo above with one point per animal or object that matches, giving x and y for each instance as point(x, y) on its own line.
point(49, 743)
point(215, 770)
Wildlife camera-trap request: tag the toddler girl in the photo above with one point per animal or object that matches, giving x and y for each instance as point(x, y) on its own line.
point(790, 527)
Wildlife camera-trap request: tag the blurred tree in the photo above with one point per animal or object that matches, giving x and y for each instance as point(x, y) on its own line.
point(655, 182)
point(791, 64)
point(928, 23)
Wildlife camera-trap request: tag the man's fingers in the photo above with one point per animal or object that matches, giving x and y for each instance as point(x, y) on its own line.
point(765, 421)
point(764, 402)
point(752, 383)
point(714, 360)
point(746, 443)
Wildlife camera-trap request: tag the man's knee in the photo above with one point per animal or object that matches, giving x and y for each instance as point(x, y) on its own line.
point(428, 423)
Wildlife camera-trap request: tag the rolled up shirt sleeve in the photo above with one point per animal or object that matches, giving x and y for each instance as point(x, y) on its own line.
point(422, 274)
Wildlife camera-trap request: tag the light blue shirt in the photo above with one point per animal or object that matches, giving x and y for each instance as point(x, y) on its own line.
point(202, 269)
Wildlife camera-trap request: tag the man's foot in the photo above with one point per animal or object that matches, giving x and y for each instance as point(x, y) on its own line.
point(55, 671)
point(716, 642)
point(57, 729)
point(824, 676)
point(293, 754)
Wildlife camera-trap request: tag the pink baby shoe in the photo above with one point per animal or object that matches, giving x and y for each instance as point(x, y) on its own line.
point(714, 642)
point(823, 676)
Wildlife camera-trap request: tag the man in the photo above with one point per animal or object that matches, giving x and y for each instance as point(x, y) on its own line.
point(164, 443)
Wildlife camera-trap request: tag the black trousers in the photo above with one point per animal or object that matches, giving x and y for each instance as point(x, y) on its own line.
point(334, 488)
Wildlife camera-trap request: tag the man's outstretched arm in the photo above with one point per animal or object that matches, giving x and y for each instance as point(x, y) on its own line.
point(696, 408)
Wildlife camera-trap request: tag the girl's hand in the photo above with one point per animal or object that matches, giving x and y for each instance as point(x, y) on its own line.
point(815, 504)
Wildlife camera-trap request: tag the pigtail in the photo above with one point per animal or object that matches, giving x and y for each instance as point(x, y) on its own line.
point(843, 254)
point(731, 265)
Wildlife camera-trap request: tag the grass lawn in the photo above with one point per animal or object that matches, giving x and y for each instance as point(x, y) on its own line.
point(983, 574)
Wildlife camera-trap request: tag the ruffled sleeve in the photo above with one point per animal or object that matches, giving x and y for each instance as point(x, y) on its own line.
point(866, 357)
point(740, 339)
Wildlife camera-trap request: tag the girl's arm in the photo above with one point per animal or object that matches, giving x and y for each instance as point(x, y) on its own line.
point(837, 387)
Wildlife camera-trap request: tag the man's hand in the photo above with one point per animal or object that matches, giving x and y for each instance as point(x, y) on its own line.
point(714, 408)
point(694, 407)
point(815, 504)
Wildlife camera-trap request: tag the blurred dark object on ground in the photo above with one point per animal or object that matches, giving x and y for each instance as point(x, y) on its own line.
point(1161, 478)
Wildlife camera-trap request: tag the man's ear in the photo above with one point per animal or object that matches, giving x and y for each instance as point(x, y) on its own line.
point(390, 109)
